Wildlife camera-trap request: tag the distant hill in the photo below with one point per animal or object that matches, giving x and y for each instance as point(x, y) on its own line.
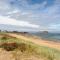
point(44, 32)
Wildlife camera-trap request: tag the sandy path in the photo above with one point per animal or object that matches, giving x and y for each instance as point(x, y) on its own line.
point(5, 55)
point(41, 42)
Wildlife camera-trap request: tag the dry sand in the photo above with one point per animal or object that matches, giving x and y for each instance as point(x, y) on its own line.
point(40, 41)
point(5, 55)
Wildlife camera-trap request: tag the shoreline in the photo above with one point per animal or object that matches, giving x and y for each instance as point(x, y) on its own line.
point(38, 41)
point(52, 40)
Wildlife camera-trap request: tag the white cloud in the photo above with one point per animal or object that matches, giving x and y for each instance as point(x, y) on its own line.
point(30, 14)
point(10, 21)
point(54, 26)
point(14, 11)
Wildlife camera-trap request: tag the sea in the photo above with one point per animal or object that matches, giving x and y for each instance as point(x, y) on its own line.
point(49, 36)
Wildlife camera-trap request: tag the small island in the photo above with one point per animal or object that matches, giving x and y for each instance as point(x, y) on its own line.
point(45, 32)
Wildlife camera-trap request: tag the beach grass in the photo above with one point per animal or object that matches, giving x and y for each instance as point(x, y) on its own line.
point(28, 48)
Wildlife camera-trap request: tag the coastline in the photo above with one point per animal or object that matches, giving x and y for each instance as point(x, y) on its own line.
point(38, 41)
point(52, 40)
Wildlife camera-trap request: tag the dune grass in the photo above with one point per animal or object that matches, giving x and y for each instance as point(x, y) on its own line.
point(29, 48)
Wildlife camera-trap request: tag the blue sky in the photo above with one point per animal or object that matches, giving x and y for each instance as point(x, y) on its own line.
point(30, 15)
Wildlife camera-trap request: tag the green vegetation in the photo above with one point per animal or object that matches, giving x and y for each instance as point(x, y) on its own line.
point(19, 46)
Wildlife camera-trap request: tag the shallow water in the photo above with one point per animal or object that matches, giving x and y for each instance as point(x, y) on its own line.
point(49, 36)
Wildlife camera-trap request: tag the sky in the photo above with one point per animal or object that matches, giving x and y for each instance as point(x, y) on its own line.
point(30, 15)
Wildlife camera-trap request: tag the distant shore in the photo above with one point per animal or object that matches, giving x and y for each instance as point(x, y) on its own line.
point(37, 40)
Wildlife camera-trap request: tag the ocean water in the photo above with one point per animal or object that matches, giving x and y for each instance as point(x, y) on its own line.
point(49, 36)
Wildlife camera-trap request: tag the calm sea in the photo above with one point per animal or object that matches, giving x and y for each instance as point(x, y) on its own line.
point(49, 36)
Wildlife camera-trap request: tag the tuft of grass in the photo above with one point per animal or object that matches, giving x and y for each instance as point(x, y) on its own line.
point(4, 38)
point(9, 46)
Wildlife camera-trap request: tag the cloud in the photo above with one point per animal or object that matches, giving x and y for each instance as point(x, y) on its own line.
point(54, 26)
point(10, 21)
point(13, 12)
point(36, 6)
point(40, 14)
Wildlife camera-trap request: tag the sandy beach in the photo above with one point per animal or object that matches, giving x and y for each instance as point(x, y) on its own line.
point(38, 41)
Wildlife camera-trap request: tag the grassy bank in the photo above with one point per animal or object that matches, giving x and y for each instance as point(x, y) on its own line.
point(21, 49)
